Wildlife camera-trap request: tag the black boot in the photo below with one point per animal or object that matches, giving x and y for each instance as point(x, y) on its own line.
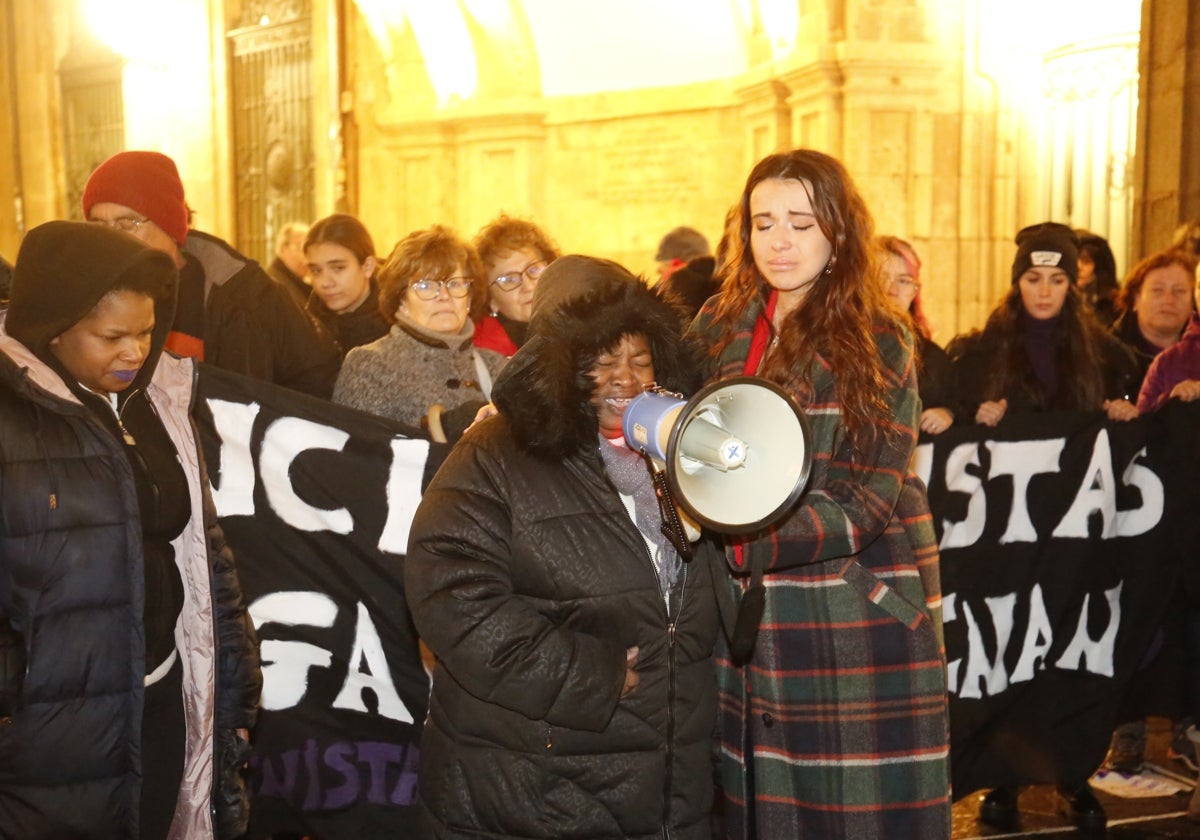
point(999, 807)
point(1080, 805)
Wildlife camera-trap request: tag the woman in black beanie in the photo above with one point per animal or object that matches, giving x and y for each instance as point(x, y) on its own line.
point(1042, 349)
point(133, 671)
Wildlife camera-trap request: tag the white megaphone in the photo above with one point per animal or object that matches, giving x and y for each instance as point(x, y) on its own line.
point(737, 455)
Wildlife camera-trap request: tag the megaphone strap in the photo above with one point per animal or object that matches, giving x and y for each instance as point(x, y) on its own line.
point(740, 616)
point(672, 527)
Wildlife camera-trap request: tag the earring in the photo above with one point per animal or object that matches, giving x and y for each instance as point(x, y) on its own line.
point(830, 265)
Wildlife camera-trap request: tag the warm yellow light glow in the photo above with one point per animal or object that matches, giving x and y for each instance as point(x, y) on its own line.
point(1015, 38)
point(781, 20)
point(136, 29)
point(492, 15)
point(442, 37)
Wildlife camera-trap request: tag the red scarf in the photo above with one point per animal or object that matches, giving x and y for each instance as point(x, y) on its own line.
point(759, 341)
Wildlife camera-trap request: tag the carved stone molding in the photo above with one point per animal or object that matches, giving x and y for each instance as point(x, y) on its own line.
point(274, 11)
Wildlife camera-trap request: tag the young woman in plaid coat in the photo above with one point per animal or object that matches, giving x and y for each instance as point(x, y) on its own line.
point(836, 725)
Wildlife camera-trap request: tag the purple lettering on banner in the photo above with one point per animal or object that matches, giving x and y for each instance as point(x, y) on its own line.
point(312, 799)
point(378, 756)
point(346, 793)
point(272, 783)
point(405, 791)
point(341, 775)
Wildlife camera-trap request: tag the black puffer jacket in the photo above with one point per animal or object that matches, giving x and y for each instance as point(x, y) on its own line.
point(72, 594)
point(528, 579)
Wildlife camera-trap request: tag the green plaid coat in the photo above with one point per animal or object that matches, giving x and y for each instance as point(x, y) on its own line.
point(843, 705)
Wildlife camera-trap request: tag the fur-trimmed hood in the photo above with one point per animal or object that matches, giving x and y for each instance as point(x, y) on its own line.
point(582, 307)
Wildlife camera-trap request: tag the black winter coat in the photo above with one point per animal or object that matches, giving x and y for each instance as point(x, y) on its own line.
point(935, 378)
point(252, 326)
point(352, 329)
point(528, 580)
point(71, 597)
point(977, 356)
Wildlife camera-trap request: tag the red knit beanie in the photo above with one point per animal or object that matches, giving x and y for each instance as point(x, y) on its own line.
point(147, 182)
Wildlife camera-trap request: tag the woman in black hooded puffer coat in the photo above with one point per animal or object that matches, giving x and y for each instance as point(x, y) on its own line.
point(530, 582)
point(129, 668)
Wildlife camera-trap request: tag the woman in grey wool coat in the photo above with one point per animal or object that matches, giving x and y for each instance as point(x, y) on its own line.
point(425, 371)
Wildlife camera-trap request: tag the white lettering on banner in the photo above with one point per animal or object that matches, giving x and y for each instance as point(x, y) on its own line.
point(984, 674)
point(958, 480)
point(287, 664)
point(1098, 653)
point(979, 665)
point(1133, 523)
point(234, 423)
point(403, 492)
point(283, 442)
point(1096, 493)
point(1039, 636)
point(922, 462)
point(1022, 460)
point(368, 650)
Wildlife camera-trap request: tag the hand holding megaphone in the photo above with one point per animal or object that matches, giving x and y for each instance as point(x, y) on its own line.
point(737, 455)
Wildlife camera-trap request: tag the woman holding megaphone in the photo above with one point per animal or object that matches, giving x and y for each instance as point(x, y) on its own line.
point(835, 723)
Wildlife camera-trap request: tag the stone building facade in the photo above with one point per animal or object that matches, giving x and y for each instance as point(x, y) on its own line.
point(958, 130)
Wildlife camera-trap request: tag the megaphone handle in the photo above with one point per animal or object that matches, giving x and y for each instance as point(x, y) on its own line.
point(672, 527)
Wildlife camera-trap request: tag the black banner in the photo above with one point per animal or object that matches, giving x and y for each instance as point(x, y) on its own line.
point(1065, 538)
point(316, 501)
point(1063, 544)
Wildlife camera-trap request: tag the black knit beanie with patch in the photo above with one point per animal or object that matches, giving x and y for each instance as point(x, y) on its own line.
point(1046, 244)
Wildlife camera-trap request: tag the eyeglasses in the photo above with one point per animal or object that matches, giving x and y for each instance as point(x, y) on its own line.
point(458, 287)
point(510, 281)
point(125, 223)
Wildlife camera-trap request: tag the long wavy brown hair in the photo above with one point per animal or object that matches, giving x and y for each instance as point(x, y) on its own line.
point(843, 306)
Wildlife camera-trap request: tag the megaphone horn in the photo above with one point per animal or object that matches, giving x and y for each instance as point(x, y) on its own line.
point(737, 455)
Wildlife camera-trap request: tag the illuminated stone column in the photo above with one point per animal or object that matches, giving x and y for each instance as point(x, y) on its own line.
point(766, 119)
point(1087, 132)
point(501, 165)
point(1167, 164)
point(816, 103)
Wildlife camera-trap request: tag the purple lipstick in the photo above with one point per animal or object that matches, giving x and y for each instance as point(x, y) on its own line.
point(124, 375)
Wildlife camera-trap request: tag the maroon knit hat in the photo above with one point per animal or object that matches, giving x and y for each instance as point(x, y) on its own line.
point(147, 182)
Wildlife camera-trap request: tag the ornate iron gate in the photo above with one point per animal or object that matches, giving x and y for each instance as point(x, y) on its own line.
point(272, 101)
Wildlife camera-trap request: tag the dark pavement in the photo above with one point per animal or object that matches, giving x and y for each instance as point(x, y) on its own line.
point(1128, 819)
